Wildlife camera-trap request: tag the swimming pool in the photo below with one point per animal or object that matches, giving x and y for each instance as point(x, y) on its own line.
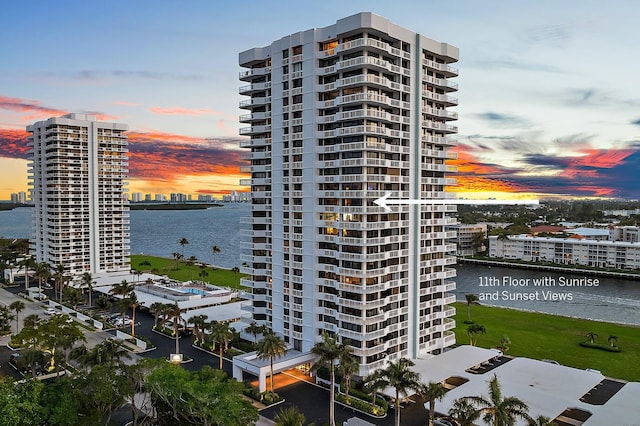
point(192, 290)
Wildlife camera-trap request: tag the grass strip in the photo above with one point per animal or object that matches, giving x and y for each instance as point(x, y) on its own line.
point(545, 336)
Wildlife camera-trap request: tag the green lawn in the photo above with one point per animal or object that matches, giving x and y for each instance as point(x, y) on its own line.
point(164, 266)
point(543, 336)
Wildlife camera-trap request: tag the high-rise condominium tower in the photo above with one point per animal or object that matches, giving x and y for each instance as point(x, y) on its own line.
point(338, 117)
point(78, 184)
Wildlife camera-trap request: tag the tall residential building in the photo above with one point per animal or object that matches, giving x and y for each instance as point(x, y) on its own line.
point(77, 178)
point(338, 117)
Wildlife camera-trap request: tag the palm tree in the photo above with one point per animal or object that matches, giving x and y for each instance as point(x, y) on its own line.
point(591, 336)
point(254, 329)
point(613, 340)
point(348, 366)
point(290, 416)
point(123, 289)
point(471, 299)
point(61, 278)
point(398, 376)
point(42, 273)
point(541, 421)
point(504, 343)
point(373, 383)
point(27, 263)
point(432, 392)
point(463, 412)
point(215, 250)
point(87, 281)
point(17, 306)
point(175, 313)
point(155, 308)
point(31, 321)
point(132, 300)
point(329, 351)
point(199, 322)
point(221, 334)
point(183, 242)
point(176, 258)
point(498, 410)
point(475, 329)
point(270, 347)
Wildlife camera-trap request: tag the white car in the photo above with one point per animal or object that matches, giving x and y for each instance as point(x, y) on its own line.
point(51, 311)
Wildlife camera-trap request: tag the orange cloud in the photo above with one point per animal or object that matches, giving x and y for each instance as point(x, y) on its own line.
point(13, 143)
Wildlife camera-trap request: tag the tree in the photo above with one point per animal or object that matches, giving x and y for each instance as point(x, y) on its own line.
point(87, 282)
point(183, 242)
point(215, 250)
point(463, 412)
point(398, 375)
point(432, 392)
point(31, 320)
point(477, 241)
point(17, 306)
point(504, 343)
point(132, 301)
point(474, 330)
point(19, 402)
point(471, 299)
point(270, 347)
point(156, 309)
point(103, 302)
point(498, 410)
point(541, 421)
point(613, 340)
point(107, 352)
point(177, 257)
point(348, 365)
point(374, 383)
point(328, 352)
point(221, 334)
point(290, 416)
point(205, 397)
point(61, 278)
point(175, 313)
point(42, 273)
point(591, 336)
point(5, 319)
point(123, 289)
point(254, 329)
point(199, 322)
point(73, 296)
point(27, 263)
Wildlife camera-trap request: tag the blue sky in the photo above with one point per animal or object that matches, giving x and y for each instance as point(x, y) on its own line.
point(548, 101)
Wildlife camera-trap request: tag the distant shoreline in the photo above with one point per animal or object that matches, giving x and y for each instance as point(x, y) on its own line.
point(173, 206)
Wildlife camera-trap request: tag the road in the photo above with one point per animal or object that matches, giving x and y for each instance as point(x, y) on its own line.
point(311, 399)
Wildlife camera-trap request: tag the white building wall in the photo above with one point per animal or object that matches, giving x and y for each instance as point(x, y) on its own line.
point(372, 119)
point(77, 176)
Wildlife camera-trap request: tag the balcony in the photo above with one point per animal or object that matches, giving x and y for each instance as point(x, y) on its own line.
point(446, 69)
point(255, 87)
point(439, 126)
point(249, 103)
point(254, 72)
point(441, 98)
point(443, 83)
point(440, 113)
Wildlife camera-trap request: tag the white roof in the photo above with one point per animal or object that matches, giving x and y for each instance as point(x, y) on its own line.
point(589, 232)
point(548, 389)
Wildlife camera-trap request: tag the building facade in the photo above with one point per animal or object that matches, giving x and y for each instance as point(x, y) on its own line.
point(338, 117)
point(469, 237)
point(77, 179)
point(568, 251)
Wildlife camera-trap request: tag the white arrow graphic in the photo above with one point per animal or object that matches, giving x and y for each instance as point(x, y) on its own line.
point(385, 202)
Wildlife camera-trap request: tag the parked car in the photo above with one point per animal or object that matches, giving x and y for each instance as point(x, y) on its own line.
point(51, 311)
point(442, 422)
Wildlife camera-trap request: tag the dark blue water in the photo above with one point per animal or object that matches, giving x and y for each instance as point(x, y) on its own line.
point(157, 232)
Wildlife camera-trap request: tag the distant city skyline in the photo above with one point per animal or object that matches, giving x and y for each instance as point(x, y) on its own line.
point(548, 93)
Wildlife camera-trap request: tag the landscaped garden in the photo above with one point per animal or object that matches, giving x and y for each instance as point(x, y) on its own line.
point(185, 270)
point(545, 336)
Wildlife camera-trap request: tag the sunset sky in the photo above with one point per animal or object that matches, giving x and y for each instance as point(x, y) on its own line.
point(549, 98)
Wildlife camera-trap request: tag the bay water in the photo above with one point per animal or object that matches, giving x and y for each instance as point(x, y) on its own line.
point(158, 232)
